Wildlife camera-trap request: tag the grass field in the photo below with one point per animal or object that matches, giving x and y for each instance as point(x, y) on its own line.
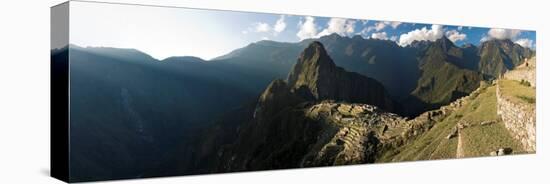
point(517, 92)
point(480, 140)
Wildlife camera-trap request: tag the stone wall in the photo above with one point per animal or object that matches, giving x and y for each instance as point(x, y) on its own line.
point(526, 72)
point(519, 119)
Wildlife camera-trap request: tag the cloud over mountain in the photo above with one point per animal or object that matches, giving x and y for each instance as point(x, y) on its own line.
point(380, 25)
point(432, 34)
point(455, 36)
point(280, 25)
point(307, 28)
point(343, 27)
point(380, 36)
point(501, 34)
point(524, 42)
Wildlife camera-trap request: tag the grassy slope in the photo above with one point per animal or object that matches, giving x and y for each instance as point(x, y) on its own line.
point(480, 140)
point(477, 140)
point(433, 141)
point(517, 92)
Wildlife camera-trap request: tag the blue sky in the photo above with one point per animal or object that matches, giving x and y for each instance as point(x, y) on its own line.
point(163, 32)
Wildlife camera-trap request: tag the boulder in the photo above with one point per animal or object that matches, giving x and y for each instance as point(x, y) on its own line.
point(485, 123)
point(501, 152)
point(454, 133)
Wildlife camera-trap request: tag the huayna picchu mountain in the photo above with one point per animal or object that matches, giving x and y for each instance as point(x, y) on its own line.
point(316, 77)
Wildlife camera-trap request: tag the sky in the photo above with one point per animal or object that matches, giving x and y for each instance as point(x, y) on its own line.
point(164, 32)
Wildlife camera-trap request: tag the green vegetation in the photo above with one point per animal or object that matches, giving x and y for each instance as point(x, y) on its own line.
point(517, 92)
point(525, 83)
point(431, 145)
point(480, 140)
point(443, 80)
point(527, 99)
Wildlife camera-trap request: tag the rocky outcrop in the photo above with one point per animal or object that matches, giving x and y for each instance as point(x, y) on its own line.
point(519, 119)
point(499, 56)
point(316, 77)
point(275, 98)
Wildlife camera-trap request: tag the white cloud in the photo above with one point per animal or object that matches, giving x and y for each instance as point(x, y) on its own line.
point(280, 25)
point(308, 29)
point(394, 24)
point(502, 34)
point(524, 42)
point(262, 27)
point(377, 26)
point(339, 26)
point(380, 25)
point(393, 38)
point(484, 39)
point(432, 34)
point(455, 36)
point(380, 36)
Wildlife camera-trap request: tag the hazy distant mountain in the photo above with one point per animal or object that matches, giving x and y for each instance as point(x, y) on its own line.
point(269, 57)
point(128, 108)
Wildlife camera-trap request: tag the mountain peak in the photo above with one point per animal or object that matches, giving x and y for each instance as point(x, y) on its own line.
point(420, 44)
point(316, 77)
point(468, 45)
point(315, 55)
point(498, 43)
point(357, 37)
point(313, 58)
point(332, 36)
point(498, 56)
point(315, 44)
point(444, 43)
point(183, 59)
